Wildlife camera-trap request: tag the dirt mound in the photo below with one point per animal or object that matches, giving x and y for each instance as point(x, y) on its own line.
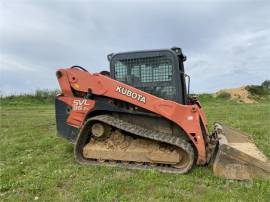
point(238, 94)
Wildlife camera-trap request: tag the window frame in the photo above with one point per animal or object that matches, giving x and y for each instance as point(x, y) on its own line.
point(176, 78)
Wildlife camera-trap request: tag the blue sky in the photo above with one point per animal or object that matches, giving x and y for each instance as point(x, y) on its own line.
point(227, 43)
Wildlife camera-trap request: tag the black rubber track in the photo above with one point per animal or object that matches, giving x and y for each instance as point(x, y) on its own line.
point(84, 137)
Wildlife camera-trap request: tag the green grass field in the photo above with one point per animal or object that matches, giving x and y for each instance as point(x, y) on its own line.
point(36, 165)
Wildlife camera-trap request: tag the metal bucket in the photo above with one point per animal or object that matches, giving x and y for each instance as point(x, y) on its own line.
point(238, 157)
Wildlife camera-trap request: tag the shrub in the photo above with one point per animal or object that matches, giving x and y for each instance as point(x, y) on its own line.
point(258, 90)
point(47, 95)
point(266, 84)
point(224, 95)
point(39, 97)
point(204, 97)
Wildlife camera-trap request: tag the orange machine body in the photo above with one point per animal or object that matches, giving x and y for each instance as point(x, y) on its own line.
point(189, 117)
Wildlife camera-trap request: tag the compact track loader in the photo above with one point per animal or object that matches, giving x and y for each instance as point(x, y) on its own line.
point(139, 115)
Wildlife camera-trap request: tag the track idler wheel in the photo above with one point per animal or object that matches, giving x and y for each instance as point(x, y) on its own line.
point(100, 130)
point(184, 160)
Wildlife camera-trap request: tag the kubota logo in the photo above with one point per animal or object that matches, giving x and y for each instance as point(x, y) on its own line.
point(131, 94)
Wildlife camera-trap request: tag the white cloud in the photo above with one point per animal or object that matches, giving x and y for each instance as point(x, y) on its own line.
point(226, 42)
point(8, 63)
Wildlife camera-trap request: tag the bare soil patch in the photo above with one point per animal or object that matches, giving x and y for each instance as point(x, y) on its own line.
point(238, 94)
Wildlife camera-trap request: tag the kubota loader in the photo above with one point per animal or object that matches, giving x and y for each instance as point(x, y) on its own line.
point(139, 115)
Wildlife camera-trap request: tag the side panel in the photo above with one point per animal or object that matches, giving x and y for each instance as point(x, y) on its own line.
point(63, 129)
point(70, 114)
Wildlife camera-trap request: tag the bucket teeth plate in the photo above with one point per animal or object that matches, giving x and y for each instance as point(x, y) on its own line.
point(238, 157)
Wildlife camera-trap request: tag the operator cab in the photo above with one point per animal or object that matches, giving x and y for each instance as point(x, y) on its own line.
point(157, 72)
